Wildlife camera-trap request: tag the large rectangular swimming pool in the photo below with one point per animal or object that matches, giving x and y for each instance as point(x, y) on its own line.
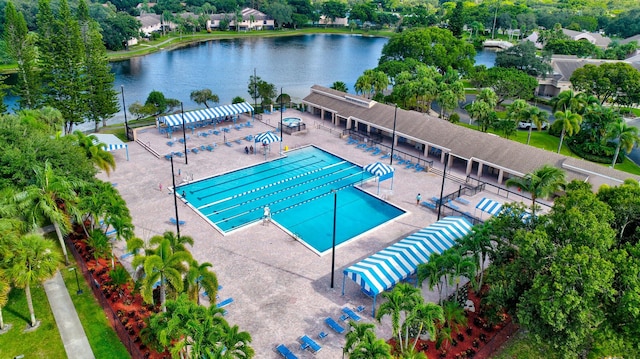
point(297, 189)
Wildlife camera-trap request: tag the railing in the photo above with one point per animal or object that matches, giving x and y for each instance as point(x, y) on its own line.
point(503, 192)
point(332, 130)
point(132, 347)
point(377, 141)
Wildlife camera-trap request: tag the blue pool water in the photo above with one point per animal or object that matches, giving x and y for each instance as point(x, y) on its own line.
point(298, 191)
point(291, 121)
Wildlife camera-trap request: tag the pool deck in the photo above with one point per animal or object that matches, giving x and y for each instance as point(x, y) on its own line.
point(280, 289)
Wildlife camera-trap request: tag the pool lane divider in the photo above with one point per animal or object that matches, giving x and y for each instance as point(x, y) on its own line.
point(275, 184)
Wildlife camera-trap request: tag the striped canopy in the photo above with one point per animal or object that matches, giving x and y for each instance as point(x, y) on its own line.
point(110, 142)
point(378, 169)
point(490, 206)
point(267, 137)
point(206, 114)
point(396, 263)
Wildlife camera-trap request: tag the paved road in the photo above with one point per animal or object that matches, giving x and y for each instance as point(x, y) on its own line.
point(73, 336)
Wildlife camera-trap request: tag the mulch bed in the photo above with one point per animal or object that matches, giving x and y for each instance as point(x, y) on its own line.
point(478, 340)
point(128, 306)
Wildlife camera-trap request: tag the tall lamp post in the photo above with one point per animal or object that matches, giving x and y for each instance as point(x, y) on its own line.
point(444, 174)
point(175, 198)
point(73, 269)
point(393, 136)
point(184, 138)
point(124, 109)
point(333, 245)
point(281, 132)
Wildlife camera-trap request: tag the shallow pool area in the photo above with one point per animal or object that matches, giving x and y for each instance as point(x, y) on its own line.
point(300, 190)
point(292, 121)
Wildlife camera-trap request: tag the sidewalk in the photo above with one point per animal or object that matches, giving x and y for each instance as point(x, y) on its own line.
point(73, 337)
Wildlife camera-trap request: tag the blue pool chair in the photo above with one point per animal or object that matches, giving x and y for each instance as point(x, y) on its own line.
point(228, 143)
point(362, 145)
point(351, 314)
point(428, 205)
point(173, 221)
point(285, 352)
point(462, 200)
point(334, 325)
point(322, 335)
point(224, 303)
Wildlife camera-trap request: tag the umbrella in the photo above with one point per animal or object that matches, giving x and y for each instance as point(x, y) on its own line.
point(267, 137)
point(381, 171)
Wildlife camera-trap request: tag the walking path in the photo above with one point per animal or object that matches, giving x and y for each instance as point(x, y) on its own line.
point(73, 336)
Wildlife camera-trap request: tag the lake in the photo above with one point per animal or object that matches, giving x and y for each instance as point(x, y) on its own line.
point(293, 63)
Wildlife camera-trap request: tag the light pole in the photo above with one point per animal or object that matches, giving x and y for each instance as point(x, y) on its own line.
point(175, 198)
point(124, 109)
point(393, 136)
point(79, 291)
point(184, 138)
point(281, 132)
point(444, 173)
point(255, 90)
point(333, 245)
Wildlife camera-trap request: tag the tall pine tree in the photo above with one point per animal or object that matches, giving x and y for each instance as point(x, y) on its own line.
point(63, 69)
point(102, 100)
point(21, 47)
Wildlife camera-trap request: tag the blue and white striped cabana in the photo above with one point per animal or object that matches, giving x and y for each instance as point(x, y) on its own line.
point(383, 270)
point(111, 143)
point(490, 206)
point(381, 171)
point(205, 114)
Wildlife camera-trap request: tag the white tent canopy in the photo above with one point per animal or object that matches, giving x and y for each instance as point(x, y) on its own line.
point(111, 142)
point(381, 171)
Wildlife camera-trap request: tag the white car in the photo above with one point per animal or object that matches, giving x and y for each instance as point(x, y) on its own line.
point(525, 125)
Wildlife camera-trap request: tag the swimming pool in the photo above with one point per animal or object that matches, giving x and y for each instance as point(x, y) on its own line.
point(292, 121)
point(298, 191)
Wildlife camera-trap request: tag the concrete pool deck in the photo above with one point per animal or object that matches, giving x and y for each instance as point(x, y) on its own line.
point(280, 289)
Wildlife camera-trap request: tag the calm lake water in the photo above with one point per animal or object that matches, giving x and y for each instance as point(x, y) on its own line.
point(292, 63)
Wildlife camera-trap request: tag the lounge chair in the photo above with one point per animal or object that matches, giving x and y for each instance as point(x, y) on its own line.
point(285, 352)
point(173, 221)
point(409, 165)
point(369, 149)
point(311, 344)
point(462, 200)
point(169, 143)
point(362, 145)
point(249, 138)
point(385, 156)
point(209, 148)
point(179, 154)
point(238, 141)
point(216, 132)
point(451, 205)
point(334, 325)
point(360, 309)
point(376, 151)
point(351, 314)
point(228, 143)
point(126, 255)
point(344, 317)
point(419, 168)
point(224, 303)
point(351, 141)
point(428, 204)
point(195, 150)
point(248, 124)
point(167, 157)
point(322, 335)
point(238, 127)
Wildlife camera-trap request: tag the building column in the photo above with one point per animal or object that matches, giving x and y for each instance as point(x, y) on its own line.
point(442, 157)
point(425, 151)
point(500, 176)
point(469, 166)
point(322, 114)
point(479, 174)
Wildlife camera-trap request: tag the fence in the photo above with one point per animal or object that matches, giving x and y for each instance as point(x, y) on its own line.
point(504, 192)
point(132, 347)
point(398, 153)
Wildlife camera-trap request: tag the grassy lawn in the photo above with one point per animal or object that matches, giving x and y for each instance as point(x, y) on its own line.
point(522, 346)
point(43, 342)
point(102, 338)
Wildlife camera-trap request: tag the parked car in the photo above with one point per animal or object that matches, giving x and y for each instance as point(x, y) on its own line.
point(525, 125)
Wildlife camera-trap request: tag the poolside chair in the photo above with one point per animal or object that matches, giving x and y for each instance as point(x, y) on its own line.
point(310, 344)
point(179, 154)
point(249, 138)
point(170, 143)
point(409, 165)
point(285, 352)
point(419, 168)
point(238, 141)
point(228, 143)
point(224, 303)
point(322, 335)
point(195, 150)
point(462, 200)
point(344, 317)
point(428, 205)
point(376, 151)
point(216, 132)
point(209, 148)
point(351, 314)
point(351, 141)
point(451, 205)
point(369, 149)
point(362, 145)
point(173, 221)
point(181, 140)
point(334, 325)
point(167, 157)
point(360, 309)
point(385, 156)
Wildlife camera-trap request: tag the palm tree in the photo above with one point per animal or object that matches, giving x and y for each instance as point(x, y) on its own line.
point(357, 334)
point(570, 124)
point(626, 137)
point(453, 316)
point(96, 152)
point(200, 277)
point(402, 298)
point(541, 183)
point(478, 244)
point(372, 348)
point(5, 288)
point(31, 261)
point(424, 316)
point(458, 266)
point(161, 267)
point(432, 271)
point(235, 342)
point(51, 198)
point(340, 86)
point(566, 100)
point(537, 117)
point(176, 243)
